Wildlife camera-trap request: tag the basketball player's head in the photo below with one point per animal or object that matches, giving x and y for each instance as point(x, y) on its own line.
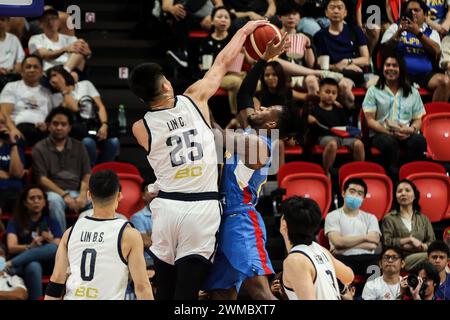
point(300, 220)
point(104, 189)
point(148, 83)
point(285, 119)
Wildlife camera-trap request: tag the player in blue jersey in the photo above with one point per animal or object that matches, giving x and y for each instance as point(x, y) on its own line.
point(241, 258)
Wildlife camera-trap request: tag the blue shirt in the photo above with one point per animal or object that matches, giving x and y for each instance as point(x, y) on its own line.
point(438, 10)
point(341, 46)
point(416, 58)
point(239, 185)
point(142, 221)
point(443, 291)
point(5, 159)
point(43, 222)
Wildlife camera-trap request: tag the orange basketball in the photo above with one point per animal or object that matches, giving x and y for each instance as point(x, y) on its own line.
point(256, 43)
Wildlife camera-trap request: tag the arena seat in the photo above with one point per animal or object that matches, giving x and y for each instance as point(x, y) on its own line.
point(420, 167)
point(131, 191)
point(436, 130)
point(117, 167)
point(293, 150)
point(434, 191)
point(307, 180)
point(322, 239)
point(436, 107)
point(379, 195)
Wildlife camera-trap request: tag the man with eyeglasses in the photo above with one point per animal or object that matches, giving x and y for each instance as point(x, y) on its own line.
point(386, 286)
point(438, 254)
point(354, 234)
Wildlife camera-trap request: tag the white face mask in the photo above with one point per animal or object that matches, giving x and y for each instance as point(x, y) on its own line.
point(2, 263)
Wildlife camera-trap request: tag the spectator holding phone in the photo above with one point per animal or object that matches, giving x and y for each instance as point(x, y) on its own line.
point(32, 238)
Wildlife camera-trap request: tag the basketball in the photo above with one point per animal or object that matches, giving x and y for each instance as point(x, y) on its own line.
point(256, 43)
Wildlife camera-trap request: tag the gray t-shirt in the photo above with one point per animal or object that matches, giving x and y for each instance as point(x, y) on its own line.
point(340, 222)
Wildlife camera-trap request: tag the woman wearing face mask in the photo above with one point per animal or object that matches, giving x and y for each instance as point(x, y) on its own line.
point(353, 234)
point(32, 238)
point(406, 228)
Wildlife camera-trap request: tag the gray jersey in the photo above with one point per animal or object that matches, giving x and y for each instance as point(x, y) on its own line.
point(97, 268)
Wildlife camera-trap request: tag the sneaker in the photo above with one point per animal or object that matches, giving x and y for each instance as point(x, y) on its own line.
point(179, 57)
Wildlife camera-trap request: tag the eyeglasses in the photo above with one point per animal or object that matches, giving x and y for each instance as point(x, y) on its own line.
point(393, 258)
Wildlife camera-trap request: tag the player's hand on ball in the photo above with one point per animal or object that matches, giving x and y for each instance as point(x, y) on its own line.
point(252, 25)
point(273, 50)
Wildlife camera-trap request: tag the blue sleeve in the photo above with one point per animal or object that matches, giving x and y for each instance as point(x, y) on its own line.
point(11, 228)
point(54, 228)
point(362, 41)
point(321, 48)
point(138, 222)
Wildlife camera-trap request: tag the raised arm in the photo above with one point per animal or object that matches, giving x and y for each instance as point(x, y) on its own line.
point(205, 88)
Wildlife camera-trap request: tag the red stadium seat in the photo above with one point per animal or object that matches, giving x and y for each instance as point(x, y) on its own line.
point(307, 180)
point(434, 191)
point(379, 195)
point(293, 150)
point(131, 191)
point(317, 149)
point(117, 167)
point(436, 130)
point(198, 34)
point(358, 167)
point(322, 239)
point(419, 167)
point(437, 107)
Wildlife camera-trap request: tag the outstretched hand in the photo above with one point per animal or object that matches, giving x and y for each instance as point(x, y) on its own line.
point(252, 25)
point(273, 50)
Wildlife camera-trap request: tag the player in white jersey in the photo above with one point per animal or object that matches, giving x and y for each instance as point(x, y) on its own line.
point(180, 147)
point(309, 271)
point(97, 254)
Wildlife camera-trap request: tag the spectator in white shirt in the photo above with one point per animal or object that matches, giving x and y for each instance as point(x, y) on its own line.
point(56, 48)
point(26, 103)
point(386, 286)
point(11, 54)
point(353, 234)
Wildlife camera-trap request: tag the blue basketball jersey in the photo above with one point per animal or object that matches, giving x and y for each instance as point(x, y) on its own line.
point(438, 10)
point(240, 186)
point(416, 58)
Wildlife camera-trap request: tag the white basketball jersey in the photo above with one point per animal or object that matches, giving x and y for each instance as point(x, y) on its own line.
point(98, 271)
point(325, 284)
point(182, 149)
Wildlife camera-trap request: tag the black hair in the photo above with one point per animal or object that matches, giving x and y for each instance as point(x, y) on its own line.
point(416, 205)
point(144, 81)
point(60, 110)
point(357, 181)
point(41, 62)
point(396, 249)
point(213, 13)
point(403, 76)
point(430, 271)
point(292, 122)
point(104, 185)
point(21, 214)
point(440, 246)
point(328, 81)
point(422, 5)
point(287, 7)
point(302, 216)
point(328, 2)
point(63, 72)
point(282, 87)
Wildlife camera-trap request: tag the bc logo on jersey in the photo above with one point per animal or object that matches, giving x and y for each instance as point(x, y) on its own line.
point(86, 292)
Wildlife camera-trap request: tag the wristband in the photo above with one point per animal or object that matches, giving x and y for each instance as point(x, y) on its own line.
point(65, 194)
point(55, 289)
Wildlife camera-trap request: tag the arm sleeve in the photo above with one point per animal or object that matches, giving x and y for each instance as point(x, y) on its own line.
point(248, 86)
point(92, 91)
point(369, 292)
point(388, 227)
point(362, 41)
point(85, 162)
point(332, 223)
point(418, 107)
point(20, 54)
point(33, 44)
point(55, 228)
point(8, 94)
point(39, 168)
point(370, 103)
point(429, 235)
point(319, 43)
point(373, 224)
point(11, 228)
point(389, 33)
